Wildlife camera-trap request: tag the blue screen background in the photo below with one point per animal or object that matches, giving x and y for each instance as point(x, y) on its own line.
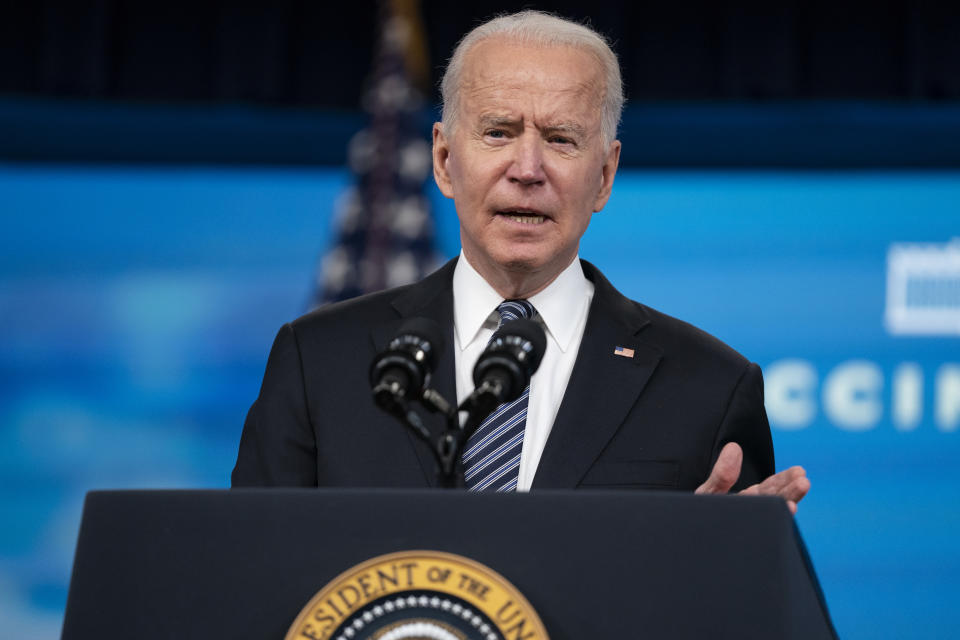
point(138, 305)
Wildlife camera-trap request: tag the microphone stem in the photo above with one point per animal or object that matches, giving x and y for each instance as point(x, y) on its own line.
point(481, 404)
point(415, 423)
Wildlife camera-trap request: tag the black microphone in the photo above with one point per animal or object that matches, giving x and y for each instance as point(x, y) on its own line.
point(504, 369)
point(402, 371)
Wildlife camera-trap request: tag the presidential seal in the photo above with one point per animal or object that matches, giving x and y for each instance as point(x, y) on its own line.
point(418, 595)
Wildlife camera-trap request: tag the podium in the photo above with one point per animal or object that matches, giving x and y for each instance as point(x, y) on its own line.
point(244, 563)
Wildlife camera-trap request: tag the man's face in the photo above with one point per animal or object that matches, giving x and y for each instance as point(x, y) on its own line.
point(525, 163)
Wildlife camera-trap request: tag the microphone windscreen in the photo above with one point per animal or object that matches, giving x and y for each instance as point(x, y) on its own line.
point(527, 330)
point(426, 329)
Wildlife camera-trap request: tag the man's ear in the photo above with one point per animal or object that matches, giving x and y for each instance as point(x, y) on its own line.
point(608, 172)
point(441, 156)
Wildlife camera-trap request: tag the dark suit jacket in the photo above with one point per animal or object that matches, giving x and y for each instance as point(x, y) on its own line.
point(656, 420)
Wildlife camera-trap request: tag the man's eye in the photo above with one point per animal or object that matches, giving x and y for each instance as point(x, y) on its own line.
point(496, 133)
point(561, 140)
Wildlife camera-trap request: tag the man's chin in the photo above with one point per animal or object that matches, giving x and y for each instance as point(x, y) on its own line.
point(528, 266)
point(518, 261)
point(521, 262)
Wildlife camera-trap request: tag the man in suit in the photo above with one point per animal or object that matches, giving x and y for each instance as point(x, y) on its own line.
point(625, 396)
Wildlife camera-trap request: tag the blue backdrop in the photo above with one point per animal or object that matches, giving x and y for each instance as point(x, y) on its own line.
point(137, 308)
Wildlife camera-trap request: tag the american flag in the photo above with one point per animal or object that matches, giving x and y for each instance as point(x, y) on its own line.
point(385, 234)
point(626, 352)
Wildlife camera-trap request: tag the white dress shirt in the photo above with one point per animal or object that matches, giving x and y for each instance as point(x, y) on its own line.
point(562, 309)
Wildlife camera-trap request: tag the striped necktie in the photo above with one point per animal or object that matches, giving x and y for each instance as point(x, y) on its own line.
point(491, 459)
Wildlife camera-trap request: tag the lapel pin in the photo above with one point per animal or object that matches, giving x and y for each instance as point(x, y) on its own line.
point(623, 351)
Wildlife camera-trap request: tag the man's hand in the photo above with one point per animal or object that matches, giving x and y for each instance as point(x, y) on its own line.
point(791, 484)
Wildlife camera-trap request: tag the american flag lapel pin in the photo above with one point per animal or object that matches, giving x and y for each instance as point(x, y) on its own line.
point(623, 351)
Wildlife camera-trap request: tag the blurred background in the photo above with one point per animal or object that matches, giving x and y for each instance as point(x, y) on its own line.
point(179, 179)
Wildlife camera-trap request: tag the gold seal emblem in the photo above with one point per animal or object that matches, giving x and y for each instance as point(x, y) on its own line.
point(418, 595)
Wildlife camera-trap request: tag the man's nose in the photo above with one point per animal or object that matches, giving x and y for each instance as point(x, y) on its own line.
point(527, 164)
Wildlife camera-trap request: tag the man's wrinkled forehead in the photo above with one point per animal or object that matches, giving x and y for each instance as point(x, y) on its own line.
point(483, 82)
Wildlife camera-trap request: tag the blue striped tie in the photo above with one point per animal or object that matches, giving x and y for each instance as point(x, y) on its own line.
point(491, 459)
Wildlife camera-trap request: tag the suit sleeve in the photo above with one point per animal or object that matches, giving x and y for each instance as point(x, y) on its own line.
point(278, 446)
point(745, 422)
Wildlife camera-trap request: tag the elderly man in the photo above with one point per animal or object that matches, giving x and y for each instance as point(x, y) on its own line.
point(625, 396)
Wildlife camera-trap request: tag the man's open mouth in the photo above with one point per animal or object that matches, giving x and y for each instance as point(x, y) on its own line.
point(524, 217)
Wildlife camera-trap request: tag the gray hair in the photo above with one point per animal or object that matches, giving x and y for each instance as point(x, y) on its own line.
point(543, 29)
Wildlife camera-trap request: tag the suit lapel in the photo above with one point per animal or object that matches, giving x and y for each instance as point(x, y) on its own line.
point(431, 298)
point(603, 386)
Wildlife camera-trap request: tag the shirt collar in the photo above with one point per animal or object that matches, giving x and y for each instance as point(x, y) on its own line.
point(560, 306)
point(473, 301)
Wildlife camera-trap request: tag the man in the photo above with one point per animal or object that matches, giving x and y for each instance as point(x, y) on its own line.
point(624, 397)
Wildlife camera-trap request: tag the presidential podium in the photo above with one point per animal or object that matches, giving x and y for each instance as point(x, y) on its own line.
point(244, 563)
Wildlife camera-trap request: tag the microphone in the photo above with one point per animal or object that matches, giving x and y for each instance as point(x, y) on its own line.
point(504, 369)
point(402, 370)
